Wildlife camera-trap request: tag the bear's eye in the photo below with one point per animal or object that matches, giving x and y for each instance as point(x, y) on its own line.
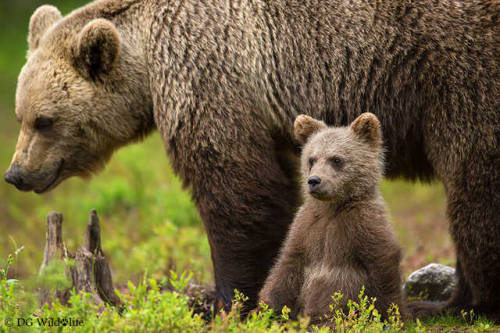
point(43, 124)
point(311, 162)
point(337, 162)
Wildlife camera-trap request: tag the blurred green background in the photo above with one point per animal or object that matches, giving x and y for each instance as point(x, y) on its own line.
point(149, 224)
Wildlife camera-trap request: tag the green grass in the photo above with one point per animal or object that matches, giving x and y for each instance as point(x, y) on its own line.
point(145, 308)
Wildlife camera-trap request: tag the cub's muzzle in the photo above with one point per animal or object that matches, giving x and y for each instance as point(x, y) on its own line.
point(314, 183)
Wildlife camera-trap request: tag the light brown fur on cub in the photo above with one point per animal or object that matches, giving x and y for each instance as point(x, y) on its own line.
point(340, 239)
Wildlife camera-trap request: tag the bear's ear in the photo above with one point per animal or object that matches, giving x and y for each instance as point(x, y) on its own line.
point(305, 126)
point(367, 128)
point(97, 48)
point(41, 20)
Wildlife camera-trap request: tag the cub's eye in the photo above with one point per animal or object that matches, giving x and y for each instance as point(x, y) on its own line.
point(43, 124)
point(311, 162)
point(337, 162)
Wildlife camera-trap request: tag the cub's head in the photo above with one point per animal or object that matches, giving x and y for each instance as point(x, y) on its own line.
point(82, 93)
point(339, 163)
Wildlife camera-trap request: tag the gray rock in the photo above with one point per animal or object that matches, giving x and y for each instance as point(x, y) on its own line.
point(435, 281)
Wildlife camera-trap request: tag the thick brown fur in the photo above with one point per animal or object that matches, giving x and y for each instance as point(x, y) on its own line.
point(223, 81)
point(341, 239)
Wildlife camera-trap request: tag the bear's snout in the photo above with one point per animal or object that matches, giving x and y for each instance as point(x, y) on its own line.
point(40, 180)
point(314, 183)
point(15, 177)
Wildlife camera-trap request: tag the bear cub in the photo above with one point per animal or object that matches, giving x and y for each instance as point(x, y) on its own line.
point(340, 239)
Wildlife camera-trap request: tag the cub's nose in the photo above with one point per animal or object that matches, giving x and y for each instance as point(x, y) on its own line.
point(313, 183)
point(13, 176)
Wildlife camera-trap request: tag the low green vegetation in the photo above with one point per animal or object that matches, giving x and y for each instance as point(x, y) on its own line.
point(146, 308)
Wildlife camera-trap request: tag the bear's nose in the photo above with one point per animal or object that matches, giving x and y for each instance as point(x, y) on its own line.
point(313, 182)
point(13, 176)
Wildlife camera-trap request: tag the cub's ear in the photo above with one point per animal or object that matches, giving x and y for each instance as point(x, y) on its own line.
point(97, 49)
point(305, 126)
point(367, 128)
point(41, 20)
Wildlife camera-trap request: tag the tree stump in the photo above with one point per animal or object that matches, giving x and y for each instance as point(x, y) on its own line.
point(90, 270)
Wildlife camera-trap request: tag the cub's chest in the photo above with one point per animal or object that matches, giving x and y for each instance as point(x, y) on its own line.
point(328, 245)
point(331, 261)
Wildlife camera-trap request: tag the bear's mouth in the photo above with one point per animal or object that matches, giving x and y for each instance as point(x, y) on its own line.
point(54, 179)
point(321, 195)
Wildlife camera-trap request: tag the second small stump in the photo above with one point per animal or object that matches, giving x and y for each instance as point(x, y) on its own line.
point(90, 272)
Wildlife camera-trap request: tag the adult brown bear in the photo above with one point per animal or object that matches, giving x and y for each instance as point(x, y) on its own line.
point(223, 81)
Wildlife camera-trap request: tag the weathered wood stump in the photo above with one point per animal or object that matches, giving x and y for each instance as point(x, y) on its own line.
point(90, 270)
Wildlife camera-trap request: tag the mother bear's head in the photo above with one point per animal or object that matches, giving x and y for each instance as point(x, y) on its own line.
point(82, 93)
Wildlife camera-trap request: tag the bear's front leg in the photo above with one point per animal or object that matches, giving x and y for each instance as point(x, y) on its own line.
point(246, 211)
point(285, 281)
point(243, 183)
